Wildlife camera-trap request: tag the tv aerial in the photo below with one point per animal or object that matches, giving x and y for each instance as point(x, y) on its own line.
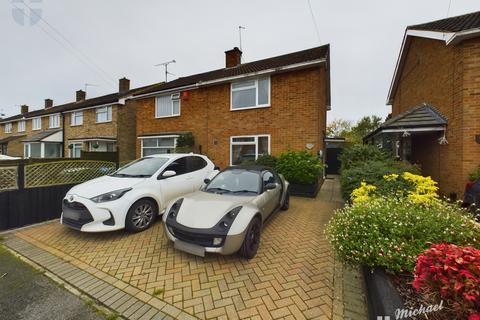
point(165, 65)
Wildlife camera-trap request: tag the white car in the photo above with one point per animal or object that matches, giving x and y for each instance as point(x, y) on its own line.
point(136, 194)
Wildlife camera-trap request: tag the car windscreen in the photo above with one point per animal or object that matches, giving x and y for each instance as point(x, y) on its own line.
point(144, 167)
point(235, 181)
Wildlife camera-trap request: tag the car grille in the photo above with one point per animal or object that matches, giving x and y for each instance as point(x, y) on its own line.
point(204, 240)
point(75, 214)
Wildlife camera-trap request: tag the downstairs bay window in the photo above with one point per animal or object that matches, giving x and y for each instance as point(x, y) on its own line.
point(248, 148)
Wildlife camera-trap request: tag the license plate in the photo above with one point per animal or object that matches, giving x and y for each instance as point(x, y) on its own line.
point(189, 248)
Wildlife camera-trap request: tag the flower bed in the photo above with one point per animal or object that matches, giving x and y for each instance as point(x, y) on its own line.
point(391, 224)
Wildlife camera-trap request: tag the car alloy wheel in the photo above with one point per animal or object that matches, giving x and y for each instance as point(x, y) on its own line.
point(252, 239)
point(142, 216)
point(286, 202)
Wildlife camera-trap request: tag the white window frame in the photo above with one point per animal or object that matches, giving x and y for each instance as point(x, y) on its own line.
point(255, 142)
point(256, 94)
point(157, 147)
point(54, 121)
point(22, 127)
point(8, 127)
point(39, 119)
point(73, 117)
point(75, 145)
point(173, 97)
point(108, 111)
point(27, 149)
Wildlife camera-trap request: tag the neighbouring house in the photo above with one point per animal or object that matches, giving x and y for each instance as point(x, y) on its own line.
point(100, 124)
point(241, 111)
point(435, 101)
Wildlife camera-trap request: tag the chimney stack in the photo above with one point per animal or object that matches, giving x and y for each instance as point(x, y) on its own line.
point(48, 103)
point(123, 85)
point(233, 58)
point(23, 109)
point(81, 95)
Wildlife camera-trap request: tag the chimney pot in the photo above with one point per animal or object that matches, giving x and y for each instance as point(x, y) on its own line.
point(123, 85)
point(23, 109)
point(81, 95)
point(233, 58)
point(48, 103)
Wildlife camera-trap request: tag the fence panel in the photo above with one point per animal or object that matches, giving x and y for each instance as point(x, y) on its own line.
point(8, 178)
point(65, 172)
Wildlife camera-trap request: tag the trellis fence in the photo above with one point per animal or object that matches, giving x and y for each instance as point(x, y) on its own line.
point(33, 192)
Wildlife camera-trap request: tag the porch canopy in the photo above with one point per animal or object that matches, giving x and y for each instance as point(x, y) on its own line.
point(422, 119)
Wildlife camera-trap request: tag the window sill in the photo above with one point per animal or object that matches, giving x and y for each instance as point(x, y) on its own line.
point(76, 125)
point(99, 122)
point(249, 108)
point(53, 127)
point(172, 116)
point(37, 129)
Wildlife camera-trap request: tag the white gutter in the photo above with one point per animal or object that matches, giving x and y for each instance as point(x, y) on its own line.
point(92, 107)
point(228, 79)
point(463, 35)
point(415, 129)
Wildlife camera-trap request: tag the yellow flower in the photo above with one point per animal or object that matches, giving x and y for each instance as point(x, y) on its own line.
point(362, 193)
point(390, 177)
point(425, 188)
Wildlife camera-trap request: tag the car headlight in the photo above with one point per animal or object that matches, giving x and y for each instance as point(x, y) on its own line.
point(228, 219)
point(172, 213)
point(110, 196)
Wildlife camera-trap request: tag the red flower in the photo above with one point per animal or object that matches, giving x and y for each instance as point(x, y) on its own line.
point(454, 273)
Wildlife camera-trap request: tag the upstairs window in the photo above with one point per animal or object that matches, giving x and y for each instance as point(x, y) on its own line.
point(253, 93)
point(8, 127)
point(36, 123)
point(167, 106)
point(21, 126)
point(76, 118)
point(54, 121)
point(103, 114)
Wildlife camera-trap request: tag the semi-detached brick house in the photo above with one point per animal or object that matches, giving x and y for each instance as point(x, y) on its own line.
point(98, 124)
point(435, 99)
point(241, 111)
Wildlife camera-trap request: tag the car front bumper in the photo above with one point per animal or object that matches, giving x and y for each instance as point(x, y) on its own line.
point(230, 245)
point(87, 216)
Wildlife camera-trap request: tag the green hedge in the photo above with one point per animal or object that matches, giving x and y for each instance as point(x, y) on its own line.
point(368, 163)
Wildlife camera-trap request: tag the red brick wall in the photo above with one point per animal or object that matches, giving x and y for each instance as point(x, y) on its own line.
point(471, 105)
point(448, 77)
point(297, 116)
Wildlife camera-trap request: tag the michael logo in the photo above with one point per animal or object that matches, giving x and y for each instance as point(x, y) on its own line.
point(408, 313)
point(26, 12)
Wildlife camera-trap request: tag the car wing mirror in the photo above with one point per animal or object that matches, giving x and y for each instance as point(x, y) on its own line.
point(168, 173)
point(270, 186)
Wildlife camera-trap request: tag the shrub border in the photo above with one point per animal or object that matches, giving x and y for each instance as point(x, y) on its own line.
point(306, 190)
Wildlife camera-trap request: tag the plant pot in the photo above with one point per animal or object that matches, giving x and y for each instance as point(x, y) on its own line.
point(382, 296)
point(305, 190)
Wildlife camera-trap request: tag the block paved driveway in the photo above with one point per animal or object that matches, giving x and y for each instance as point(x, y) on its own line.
point(291, 277)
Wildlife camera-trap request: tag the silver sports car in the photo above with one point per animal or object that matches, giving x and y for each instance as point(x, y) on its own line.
point(227, 215)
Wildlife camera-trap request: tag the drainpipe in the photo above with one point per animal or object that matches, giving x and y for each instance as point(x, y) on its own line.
point(63, 135)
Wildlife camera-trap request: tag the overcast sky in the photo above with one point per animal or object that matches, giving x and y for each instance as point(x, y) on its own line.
point(98, 42)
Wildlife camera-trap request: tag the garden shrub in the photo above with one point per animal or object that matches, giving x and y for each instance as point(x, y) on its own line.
point(299, 167)
point(453, 273)
point(185, 143)
point(267, 160)
point(372, 172)
point(390, 232)
point(358, 154)
point(474, 175)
